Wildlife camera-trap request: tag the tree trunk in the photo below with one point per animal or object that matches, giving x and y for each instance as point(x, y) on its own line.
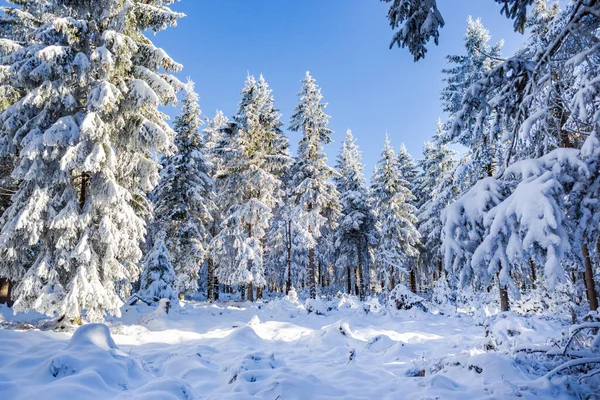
point(82, 192)
point(349, 283)
point(590, 285)
point(356, 282)
point(288, 283)
point(504, 305)
point(242, 292)
point(440, 268)
point(412, 277)
point(312, 282)
point(259, 292)
point(361, 277)
point(393, 282)
point(210, 279)
point(216, 288)
point(533, 274)
point(250, 291)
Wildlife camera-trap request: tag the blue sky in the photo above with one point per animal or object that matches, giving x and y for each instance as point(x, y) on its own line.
point(344, 43)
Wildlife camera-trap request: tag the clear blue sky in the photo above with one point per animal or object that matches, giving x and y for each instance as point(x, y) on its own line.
point(344, 43)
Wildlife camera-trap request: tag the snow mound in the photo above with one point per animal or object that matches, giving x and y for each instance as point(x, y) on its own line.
point(92, 335)
point(403, 299)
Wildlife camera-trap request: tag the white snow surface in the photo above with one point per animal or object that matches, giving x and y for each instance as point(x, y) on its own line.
point(274, 350)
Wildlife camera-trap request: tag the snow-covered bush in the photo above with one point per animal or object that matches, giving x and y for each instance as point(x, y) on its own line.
point(403, 299)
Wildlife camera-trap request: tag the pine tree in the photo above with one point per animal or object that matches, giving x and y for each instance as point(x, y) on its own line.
point(408, 171)
point(157, 280)
point(212, 136)
point(87, 83)
point(418, 21)
point(484, 142)
point(184, 197)
point(396, 218)
point(356, 232)
point(256, 157)
point(437, 191)
point(314, 196)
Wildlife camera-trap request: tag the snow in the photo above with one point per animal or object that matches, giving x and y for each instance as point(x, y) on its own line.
point(277, 350)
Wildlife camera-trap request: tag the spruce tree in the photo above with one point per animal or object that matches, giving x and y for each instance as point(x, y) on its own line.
point(212, 136)
point(437, 189)
point(84, 121)
point(157, 280)
point(356, 232)
point(315, 197)
point(398, 236)
point(184, 197)
point(256, 155)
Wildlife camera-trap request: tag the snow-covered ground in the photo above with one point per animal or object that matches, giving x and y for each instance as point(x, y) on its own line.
point(277, 350)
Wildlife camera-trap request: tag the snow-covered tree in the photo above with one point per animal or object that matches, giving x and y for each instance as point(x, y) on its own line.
point(398, 236)
point(436, 190)
point(315, 197)
point(482, 140)
point(409, 172)
point(250, 185)
point(212, 135)
point(157, 280)
point(184, 197)
point(84, 121)
point(356, 232)
point(418, 21)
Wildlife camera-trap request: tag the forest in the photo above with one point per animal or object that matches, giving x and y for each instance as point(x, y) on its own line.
point(120, 227)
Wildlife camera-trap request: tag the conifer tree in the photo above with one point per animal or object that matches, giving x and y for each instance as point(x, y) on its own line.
point(256, 156)
point(408, 171)
point(438, 190)
point(212, 135)
point(157, 280)
point(314, 196)
point(398, 236)
point(84, 121)
point(184, 197)
point(356, 232)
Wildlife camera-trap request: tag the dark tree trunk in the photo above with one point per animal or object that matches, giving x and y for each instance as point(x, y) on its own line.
point(250, 291)
point(216, 288)
point(393, 282)
point(82, 192)
point(242, 292)
point(412, 277)
point(361, 277)
point(504, 305)
point(440, 268)
point(349, 283)
point(590, 285)
point(533, 274)
point(312, 282)
point(259, 292)
point(6, 287)
point(210, 280)
point(356, 282)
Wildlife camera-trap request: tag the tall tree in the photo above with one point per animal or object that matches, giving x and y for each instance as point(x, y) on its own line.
point(408, 171)
point(184, 197)
point(251, 185)
point(356, 232)
point(212, 136)
point(314, 196)
point(396, 218)
point(437, 190)
point(86, 121)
